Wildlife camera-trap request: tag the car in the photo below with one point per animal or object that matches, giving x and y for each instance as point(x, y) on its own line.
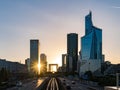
point(73, 82)
point(34, 81)
point(68, 87)
point(63, 79)
point(19, 84)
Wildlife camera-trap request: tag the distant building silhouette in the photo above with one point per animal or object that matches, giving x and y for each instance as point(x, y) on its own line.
point(72, 51)
point(34, 55)
point(43, 63)
point(51, 69)
point(64, 62)
point(13, 67)
point(111, 69)
point(27, 63)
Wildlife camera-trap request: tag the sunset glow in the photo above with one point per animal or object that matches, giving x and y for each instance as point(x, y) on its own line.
point(50, 22)
point(58, 60)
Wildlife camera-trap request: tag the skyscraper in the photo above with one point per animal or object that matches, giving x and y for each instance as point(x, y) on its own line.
point(64, 60)
point(72, 51)
point(91, 43)
point(91, 57)
point(27, 63)
point(34, 55)
point(43, 63)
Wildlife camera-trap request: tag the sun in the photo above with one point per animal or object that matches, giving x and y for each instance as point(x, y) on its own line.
point(39, 68)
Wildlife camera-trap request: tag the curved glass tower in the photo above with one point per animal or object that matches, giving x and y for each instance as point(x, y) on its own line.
point(91, 42)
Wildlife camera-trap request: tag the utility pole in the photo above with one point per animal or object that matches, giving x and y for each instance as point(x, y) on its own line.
point(117, 80)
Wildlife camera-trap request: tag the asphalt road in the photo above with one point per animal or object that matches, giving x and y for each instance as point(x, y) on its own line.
point(33, 85)
point(53, 84)
point(77, 85)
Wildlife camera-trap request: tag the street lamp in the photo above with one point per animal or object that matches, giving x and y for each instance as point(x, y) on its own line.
point(117, 80)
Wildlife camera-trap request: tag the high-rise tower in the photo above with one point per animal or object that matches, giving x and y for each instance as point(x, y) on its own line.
point(72, 51)
point(43, 63)
point(91, 43)
point(34, 56)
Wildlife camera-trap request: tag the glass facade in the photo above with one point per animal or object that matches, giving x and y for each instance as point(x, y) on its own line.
point(72, 50)
point(34, 55)
point(91, 43)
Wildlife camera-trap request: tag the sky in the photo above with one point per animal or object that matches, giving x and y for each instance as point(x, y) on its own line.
point(50, 21)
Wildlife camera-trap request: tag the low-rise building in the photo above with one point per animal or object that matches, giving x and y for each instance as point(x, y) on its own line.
point(13, 67)
point(90, 65)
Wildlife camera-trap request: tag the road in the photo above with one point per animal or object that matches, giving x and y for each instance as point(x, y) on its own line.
point(53, 84)
point(77, 85)
point(32, 85)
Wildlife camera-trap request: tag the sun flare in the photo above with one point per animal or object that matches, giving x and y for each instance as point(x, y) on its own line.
point(39, 68)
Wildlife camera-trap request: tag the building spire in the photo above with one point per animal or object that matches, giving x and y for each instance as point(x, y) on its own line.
point(88, 23)
point(90, 13)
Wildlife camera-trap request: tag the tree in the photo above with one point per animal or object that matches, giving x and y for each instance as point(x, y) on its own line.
point(4, 75)
point(89, 75)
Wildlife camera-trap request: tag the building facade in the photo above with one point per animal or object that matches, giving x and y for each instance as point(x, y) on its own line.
point(91, 42)
point(91, 57)
point(27, 63)
point(43, 63)
point(72, 51)
point(13, 67)
point(34, 56)
point(64, 57)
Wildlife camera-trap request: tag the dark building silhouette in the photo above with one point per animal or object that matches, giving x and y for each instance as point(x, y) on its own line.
point(72, 52)
point(34, 55)
point(27, 63)
point(64, 56)
point(43, 63)
point(13, 67)
point(64, 63)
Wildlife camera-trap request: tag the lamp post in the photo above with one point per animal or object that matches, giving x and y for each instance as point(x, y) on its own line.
point(117, 80)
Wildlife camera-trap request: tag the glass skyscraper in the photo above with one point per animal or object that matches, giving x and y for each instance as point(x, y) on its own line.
point(34, 55)
point(91, 42)
point(72, 51)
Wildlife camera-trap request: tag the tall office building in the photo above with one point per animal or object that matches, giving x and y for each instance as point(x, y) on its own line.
point(34, 56)
point(91, 43)
point(64, 57)
point(43, 63)
point(91, 57)
point(27, 63)
point(64, 62)
point(72, 51)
